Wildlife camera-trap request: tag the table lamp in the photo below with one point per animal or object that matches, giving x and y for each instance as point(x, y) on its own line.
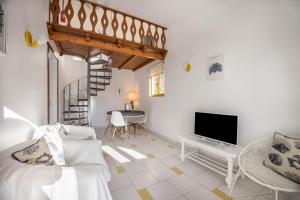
point(132, 96)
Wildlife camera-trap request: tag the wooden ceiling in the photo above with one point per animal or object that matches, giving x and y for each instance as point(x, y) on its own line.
point(124, 54)
point(119, 60)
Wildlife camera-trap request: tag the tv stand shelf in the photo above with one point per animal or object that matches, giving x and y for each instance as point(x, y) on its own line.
point(217, 156)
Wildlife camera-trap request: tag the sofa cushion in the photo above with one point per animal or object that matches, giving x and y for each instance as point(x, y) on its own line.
point(35, 154)
point(62, 130)
point(55, 145)
point(284, 157)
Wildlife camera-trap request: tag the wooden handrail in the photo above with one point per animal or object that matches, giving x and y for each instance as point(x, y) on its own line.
point(154, 35)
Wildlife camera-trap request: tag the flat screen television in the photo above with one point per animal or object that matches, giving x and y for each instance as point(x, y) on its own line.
point(217, 126)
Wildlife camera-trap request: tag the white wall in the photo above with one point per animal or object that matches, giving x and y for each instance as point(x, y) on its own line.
point(53, 95)
point(23, 72)
point(260, 40)
point(69, 71)
point(107, 100)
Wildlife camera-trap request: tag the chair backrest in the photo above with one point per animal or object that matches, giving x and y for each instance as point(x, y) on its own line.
point(117, 119)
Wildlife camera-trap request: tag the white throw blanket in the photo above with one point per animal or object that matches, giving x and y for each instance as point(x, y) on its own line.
point(85, 180)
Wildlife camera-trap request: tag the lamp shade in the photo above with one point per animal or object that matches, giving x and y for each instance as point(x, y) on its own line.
point(132, 96)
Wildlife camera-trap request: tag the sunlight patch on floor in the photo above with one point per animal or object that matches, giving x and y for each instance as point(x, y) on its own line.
point(114, 154)
point(132, 153)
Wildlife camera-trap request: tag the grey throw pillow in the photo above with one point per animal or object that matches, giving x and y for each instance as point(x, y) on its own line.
point(35, 154)
point(284, 157)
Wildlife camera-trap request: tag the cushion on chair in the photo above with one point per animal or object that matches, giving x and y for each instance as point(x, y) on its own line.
point(284, 157)
point(35, 154)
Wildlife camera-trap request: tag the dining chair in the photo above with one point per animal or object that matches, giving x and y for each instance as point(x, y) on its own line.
point(109, 126)
point(139, 123)
point(142, 123)
point(118, 123)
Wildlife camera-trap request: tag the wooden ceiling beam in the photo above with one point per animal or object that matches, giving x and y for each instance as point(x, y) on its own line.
point(87, 52)
point(126, 61)
point(107, 46)
point(143, 64)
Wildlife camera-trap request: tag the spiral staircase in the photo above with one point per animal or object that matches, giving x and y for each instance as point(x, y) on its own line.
point(77, 94)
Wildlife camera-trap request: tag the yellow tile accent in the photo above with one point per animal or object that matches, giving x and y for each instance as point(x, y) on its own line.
point(144, 194)
point(177, 170)
point(120, 169)
point(133, 146)
point(221, 194)
point(171, 146)
point(151, 155)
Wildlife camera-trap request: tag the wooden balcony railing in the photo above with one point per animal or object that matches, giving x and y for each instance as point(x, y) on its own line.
point(95, 18)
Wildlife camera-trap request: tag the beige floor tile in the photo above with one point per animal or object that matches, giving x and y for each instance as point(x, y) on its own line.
point(126, 193)
point(164, 191)
point(182, 198)
point(210, 180)
point(202, 193)
point(162, 155)
point(163, 173)
point(191, 169)
point(151, 163)
point(143, 180)
point(119, 181)
point(238, 190)
point(134, 168)
point(171, 161)
point(249, 184)
point(184, 183)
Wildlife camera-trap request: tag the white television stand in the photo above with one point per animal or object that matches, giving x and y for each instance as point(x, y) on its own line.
point(206, 151)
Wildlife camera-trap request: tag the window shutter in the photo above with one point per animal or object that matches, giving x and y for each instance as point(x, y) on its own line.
point(156, 80)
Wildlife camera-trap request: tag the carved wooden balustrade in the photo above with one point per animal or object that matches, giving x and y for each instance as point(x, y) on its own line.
point(101, 22)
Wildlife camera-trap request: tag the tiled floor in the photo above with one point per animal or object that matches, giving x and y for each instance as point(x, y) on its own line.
point(153, 171)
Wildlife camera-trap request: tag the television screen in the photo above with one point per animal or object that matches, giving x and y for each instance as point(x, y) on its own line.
point(217, 126)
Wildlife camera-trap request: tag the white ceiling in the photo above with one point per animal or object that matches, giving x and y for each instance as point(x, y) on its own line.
point(168, 12)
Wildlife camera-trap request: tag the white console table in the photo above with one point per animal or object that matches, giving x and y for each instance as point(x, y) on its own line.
point(205, 153)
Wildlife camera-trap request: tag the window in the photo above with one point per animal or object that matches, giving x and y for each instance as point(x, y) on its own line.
point(156, 81)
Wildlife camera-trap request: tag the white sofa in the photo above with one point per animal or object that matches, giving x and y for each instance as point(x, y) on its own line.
point(72, 132)
point(85, 175)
